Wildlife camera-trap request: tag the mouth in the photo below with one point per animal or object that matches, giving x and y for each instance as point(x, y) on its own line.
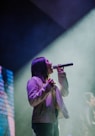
point(51, 67)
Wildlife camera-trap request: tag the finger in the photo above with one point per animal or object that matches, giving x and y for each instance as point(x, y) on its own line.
point(60, 68)
point(50, 80)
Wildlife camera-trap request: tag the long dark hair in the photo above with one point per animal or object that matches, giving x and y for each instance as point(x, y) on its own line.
point(39, 68)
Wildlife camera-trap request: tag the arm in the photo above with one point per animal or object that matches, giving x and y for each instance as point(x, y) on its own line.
point(36, 92)
point(63, 82)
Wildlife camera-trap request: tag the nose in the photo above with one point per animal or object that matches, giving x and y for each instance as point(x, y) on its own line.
point(50, 63)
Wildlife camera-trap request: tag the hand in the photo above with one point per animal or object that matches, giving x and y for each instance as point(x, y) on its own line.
point(49, 85)
point(60, 69)
point(51, 82)
point(61, 72)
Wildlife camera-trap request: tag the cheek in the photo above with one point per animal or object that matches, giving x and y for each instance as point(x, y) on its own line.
point(50, 71)
point(48, 66)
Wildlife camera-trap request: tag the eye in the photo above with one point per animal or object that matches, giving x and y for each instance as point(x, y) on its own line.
point(47, 61)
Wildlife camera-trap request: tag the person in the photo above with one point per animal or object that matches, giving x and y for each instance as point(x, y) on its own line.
point(46, 97)
point(90, 113)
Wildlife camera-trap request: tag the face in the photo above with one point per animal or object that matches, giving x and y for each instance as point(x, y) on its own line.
point(49, 66)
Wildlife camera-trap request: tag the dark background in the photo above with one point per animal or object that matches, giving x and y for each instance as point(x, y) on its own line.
point(25, 29)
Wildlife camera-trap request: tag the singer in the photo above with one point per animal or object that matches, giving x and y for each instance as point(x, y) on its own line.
point(46, 97)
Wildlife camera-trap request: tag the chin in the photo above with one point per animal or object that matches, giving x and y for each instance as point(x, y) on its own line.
point(51, 70)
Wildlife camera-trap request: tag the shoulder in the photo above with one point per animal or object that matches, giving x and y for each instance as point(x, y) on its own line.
point(35, 80)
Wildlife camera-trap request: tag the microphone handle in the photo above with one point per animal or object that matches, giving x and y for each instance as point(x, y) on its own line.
point(63, 65)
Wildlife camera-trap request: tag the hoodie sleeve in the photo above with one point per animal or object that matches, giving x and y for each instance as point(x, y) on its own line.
point(64, 87)
point(35, 91)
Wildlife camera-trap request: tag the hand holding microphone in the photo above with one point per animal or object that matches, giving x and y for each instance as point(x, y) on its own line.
point(60, 68)
point(62, 65)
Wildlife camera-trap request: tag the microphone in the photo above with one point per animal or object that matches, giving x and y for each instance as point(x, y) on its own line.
point(62, 65)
